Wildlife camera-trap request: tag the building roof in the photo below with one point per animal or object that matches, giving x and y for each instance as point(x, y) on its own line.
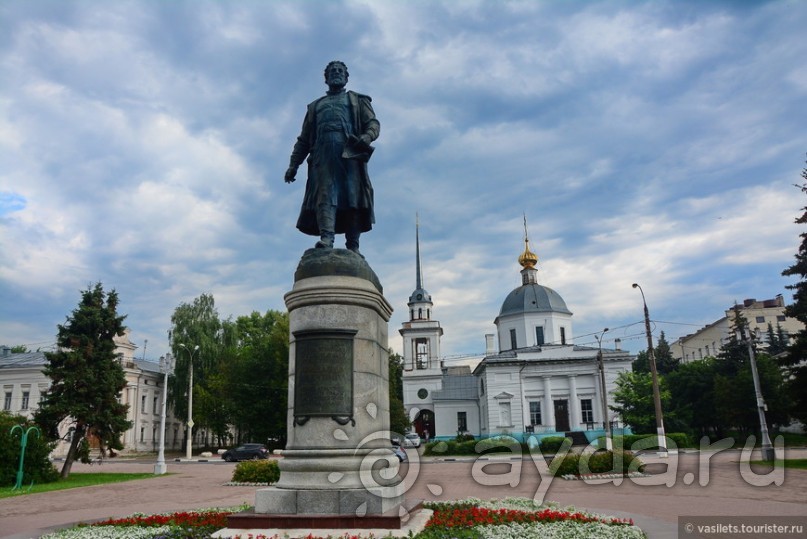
point(533, 298)
point(26, 359)
point(457, 387)
point(552, 353)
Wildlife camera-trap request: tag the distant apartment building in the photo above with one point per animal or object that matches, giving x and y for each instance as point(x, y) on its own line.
point(707, 341)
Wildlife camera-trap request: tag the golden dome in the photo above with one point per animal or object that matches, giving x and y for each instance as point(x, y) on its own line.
point(527, 259)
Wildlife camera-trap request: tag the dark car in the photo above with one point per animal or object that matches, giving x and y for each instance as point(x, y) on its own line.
point(246, 452)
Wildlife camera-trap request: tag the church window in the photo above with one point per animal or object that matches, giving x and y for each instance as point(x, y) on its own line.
point(25, 398)
point(422, 353)
point(539, 335)
point(420, 314)
point(513, 342)
point(462, 422)
point(586, 411)
point(562, 335)
point(535, 412)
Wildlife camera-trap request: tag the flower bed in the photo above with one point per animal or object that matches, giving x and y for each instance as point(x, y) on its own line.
point(510, 518)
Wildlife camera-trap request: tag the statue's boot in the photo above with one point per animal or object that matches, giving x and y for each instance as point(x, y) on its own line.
point(352, 235)
point(326, 220)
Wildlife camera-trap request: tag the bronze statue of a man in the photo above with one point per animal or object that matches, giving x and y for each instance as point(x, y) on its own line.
point(336, 135)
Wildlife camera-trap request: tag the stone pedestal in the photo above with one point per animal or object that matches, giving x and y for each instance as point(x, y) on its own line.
point(338, 460)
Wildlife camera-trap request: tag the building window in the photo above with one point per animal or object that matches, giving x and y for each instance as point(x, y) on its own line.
point(504, 414)
point(155, 406)
point(25, 397)
point(586, 411)
point(535, 413)
point(760, 319)
point(513, 342)
point(462, 422)
point(562, 335)
point(422, 353)
point(482, 386)
point(780, 318)
point(539, 336)
point(7, 401)
point(143, 404)
point(142, 434)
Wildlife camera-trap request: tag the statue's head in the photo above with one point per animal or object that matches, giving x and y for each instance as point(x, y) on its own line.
point(336, 73)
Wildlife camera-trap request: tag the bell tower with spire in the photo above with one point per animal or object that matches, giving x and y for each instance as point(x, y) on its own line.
point(421, 334)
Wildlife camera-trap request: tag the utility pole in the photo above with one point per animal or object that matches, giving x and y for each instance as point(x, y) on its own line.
point(768, 452)
point(651, 356)
point(609, 440)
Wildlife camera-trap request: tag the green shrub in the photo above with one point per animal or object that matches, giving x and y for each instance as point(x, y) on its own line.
point(257, 471)
point(635, 442)
point(498, 444)
point(599, 462)
point(465, 437)
point(551, 444)
point(603, 462)
point(37, 467)
point(569, 464)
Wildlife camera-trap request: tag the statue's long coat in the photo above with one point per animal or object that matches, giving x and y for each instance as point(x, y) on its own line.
point(364, 123)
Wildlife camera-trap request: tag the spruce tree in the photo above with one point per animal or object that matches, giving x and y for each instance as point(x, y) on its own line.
point(795, 359)
point(87, 378)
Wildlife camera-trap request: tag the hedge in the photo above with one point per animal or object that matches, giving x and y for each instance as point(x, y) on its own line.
point(551, 444)
point(648, 441)
point(256, 471)
point(598, 462)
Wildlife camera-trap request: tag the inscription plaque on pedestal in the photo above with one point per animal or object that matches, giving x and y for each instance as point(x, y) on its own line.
point(323, 375)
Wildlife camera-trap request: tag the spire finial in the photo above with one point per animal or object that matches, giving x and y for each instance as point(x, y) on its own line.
point(528, 259)
point(419, 276)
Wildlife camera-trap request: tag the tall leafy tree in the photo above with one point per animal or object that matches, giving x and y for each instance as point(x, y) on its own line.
point(87, 377)
point(257, 378)
point(198, 324)
point(692, 399)
point(633, 400)
point(399, 422)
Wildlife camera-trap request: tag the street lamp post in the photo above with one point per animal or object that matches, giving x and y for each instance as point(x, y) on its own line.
point(189, 441)
point(609, 443)
point(167, 368)
point(651, 356)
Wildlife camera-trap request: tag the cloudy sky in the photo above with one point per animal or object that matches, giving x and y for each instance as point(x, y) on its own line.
point(143, 145)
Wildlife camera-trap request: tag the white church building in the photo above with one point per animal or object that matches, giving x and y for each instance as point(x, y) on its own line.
point(537, 383)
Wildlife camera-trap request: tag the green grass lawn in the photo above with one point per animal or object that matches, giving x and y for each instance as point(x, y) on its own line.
point(75, 480)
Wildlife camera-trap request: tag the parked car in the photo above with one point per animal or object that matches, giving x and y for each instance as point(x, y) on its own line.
point(411, 439)
point(246, 452)
point(399, 451)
